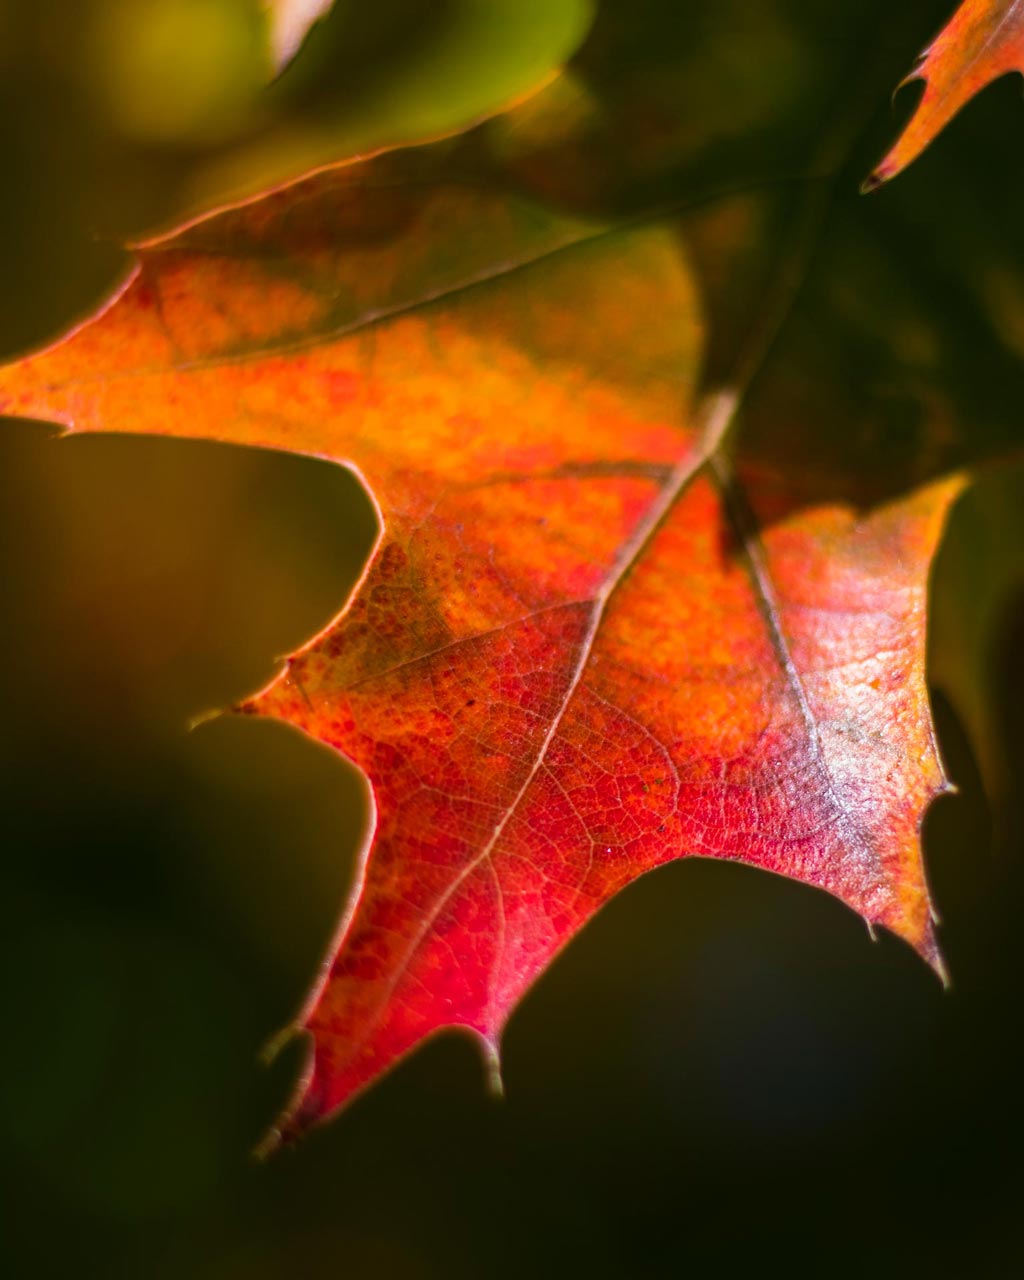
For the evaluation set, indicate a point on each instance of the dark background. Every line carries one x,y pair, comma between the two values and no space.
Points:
723,1075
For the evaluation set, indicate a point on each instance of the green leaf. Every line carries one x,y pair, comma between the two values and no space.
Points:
384,75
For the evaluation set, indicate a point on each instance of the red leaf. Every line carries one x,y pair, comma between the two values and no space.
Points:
983,40
583,648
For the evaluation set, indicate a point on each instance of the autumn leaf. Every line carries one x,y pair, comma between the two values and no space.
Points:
983,40
662,438
574,655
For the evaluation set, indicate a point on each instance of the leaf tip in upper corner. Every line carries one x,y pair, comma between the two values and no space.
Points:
982,41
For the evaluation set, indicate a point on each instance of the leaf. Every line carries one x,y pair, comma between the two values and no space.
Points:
168,112
573,657
290,21
663,439
982,41
389,74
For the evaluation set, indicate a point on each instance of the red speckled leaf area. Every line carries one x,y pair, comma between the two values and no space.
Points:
587,643
982,41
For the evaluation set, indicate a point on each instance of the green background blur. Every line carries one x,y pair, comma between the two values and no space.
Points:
723,1075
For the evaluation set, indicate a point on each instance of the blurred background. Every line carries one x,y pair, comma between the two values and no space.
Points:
722,1074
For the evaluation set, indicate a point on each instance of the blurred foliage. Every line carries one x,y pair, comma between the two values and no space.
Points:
118,117
173,71
722,1074
977,585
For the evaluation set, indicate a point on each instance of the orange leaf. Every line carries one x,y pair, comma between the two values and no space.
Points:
983,40
583,646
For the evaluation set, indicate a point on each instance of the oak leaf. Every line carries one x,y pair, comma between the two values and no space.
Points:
662,438
574,655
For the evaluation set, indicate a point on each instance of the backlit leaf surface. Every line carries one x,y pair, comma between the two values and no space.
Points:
573,658
662,438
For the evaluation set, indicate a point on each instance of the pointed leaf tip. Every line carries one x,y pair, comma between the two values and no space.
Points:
983,41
